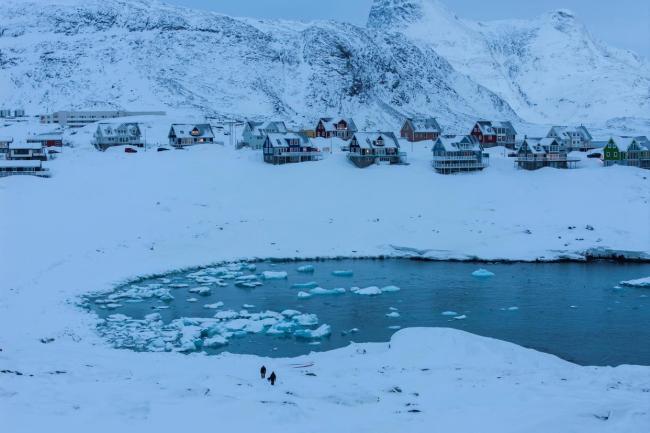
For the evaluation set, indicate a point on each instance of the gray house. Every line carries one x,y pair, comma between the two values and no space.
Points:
117,134
367,148
453,154
573,138
289,148
536,153
255,132
4,145
187,134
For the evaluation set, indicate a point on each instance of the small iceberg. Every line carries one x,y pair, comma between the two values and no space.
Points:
393,314
306,269
274,275
309,285
192,300
449,313
213,306
248,284
320,291
482,273
513,308
201,290
342,273
641,282
216,341
311,334
304,295
395,327
388,289
463,317
248,306
369,291
306,319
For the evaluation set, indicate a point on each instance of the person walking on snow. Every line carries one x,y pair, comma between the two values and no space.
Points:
263,372
272,378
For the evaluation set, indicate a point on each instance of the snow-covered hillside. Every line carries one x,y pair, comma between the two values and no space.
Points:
549,69
143,54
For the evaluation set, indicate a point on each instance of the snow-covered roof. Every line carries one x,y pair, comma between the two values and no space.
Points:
278,139
6,139
110,129
566,131
24,145
487,127
624,143
370,140
424,124
261,128
192,130
46,136
454,143
28,163
539,145
329,123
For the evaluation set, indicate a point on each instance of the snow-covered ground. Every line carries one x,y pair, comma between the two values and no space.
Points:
103,218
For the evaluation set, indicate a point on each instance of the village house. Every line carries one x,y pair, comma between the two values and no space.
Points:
77,119
254,133
23,167
117,134
491,134
289,148
367,148
577,138
47,139
420,129
184,134
4,145
328,127
536,153
629,151
19,150
453,154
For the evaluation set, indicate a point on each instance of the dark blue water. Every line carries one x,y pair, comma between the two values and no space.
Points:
572,310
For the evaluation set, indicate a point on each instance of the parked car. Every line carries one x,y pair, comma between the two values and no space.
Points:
130,150
163,149
595,155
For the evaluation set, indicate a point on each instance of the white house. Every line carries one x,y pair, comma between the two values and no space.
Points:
25,151
255,132
4,145
117,134
573,138
453,154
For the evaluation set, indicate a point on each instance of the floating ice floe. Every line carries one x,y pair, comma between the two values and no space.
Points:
449,313
640,282
369,291
304,295
201,290
462,317
113,306
394,327
482,273
320,332
213,306
192,300
274,275
305,319
248,284
342,273
319,291
350,331
393,314
306,269
248,306
216,341
387,289
512,308
309,285
179,285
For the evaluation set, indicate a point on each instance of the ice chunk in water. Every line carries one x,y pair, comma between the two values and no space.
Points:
306,319
304,295
343,273
306,269
369,291
192,300
166,297
309,285
482,273
216,341
449,313
113,306
394,327
462,317
153,317
290,313
321,291
309,334
213,306
513,308
390,289
248,306
393,314
201,290
274,275
225,315
641,282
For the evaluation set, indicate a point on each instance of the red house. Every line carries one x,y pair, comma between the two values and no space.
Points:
341,128
48,139
420,129
491,134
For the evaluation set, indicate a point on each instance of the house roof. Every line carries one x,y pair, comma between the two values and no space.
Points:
455,143
424,124
29,163
46,136
24,145
278,139
565,131
184,130
624,143
6,139
540,145
329,123
110,129
487,126
368,140
260,128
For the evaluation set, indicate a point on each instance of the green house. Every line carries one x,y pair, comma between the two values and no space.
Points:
611,153
630,151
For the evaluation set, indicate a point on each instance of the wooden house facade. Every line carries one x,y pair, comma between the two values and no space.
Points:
289,148
535,153
254,133
367,148
491,133
420,129
629,151
22,151
328,127
454,154
117,134
189,134
573,138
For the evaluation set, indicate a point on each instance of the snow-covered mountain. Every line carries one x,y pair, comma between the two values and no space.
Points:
549,69
413,57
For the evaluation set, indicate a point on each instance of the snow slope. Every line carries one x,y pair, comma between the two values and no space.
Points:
550,69
144,54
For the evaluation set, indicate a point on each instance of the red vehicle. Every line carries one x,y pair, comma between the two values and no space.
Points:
130,150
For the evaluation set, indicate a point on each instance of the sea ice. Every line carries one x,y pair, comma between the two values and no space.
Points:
192,300
306,269
321,291
309,285
216,341
290,313
390,289
274,275
306,319
248,306
393,314
369,291
304,295
394,327
320,332
641,282
460,317
343,273
201,290
214,306
482,273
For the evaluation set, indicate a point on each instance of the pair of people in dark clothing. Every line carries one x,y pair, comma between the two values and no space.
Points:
271,378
